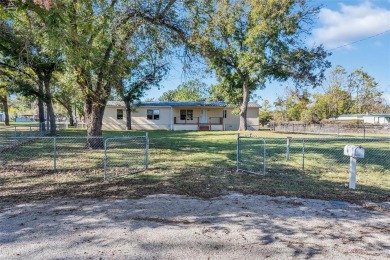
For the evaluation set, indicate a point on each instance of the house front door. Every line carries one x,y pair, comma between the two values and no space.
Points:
203,116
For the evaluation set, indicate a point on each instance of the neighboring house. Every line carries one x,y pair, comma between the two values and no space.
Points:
178,116
2,116
381,119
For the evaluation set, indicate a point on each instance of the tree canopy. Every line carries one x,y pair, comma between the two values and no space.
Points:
249,42
49,49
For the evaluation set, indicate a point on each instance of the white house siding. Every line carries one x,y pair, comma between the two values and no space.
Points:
139,119
168,113
185,127
232,122
349,117
372,119
110,121
382,119
216,127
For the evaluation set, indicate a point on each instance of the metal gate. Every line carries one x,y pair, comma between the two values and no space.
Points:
125,155
251,154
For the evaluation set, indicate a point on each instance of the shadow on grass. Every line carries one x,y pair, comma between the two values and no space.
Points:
202,182
212,218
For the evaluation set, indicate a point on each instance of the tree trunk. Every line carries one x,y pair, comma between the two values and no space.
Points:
69,110
244,107
94,112
4,100
70,113
49,105
128,114
41,110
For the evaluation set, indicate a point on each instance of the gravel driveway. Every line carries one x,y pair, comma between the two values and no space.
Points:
234,226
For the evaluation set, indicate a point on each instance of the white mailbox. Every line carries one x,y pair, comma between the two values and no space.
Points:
354,151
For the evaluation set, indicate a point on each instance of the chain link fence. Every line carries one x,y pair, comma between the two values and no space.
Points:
26,130
179,151
75,154
251,154
312,154
360,130
125,155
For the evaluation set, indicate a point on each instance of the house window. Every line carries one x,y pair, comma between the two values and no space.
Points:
224,114
186,114
153,114
119,114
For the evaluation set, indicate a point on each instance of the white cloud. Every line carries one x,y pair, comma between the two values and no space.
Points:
350,23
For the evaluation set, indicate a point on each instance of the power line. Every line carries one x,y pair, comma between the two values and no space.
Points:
369,37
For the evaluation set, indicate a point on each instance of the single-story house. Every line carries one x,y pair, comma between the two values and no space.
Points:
178,116
380,119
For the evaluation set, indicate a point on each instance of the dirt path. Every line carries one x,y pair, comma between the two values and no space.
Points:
177,227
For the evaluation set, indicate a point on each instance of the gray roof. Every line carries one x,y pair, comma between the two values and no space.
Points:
184,104
179,104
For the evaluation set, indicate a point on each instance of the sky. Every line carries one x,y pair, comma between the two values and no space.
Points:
356,32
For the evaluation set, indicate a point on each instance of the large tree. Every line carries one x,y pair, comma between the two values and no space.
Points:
364,91
97,40
4,100
336,98
252,41
24,49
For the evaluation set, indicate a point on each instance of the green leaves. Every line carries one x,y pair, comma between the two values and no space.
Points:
249,42
193,90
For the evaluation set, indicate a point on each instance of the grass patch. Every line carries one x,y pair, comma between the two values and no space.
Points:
200,164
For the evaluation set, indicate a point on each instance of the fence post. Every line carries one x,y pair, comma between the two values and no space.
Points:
264,158
303,154
14,135
238,152
55,153
364,131
146,150
105,158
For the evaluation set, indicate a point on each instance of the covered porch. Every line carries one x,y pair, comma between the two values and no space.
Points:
194,118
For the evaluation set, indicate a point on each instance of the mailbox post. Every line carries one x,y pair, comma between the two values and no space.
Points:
353,152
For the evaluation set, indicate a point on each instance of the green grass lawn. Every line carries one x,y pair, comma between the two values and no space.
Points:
201,164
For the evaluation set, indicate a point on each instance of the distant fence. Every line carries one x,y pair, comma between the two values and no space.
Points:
336,129
114,156
28,130
22,130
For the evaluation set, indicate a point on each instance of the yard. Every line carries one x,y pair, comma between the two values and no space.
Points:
199,164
